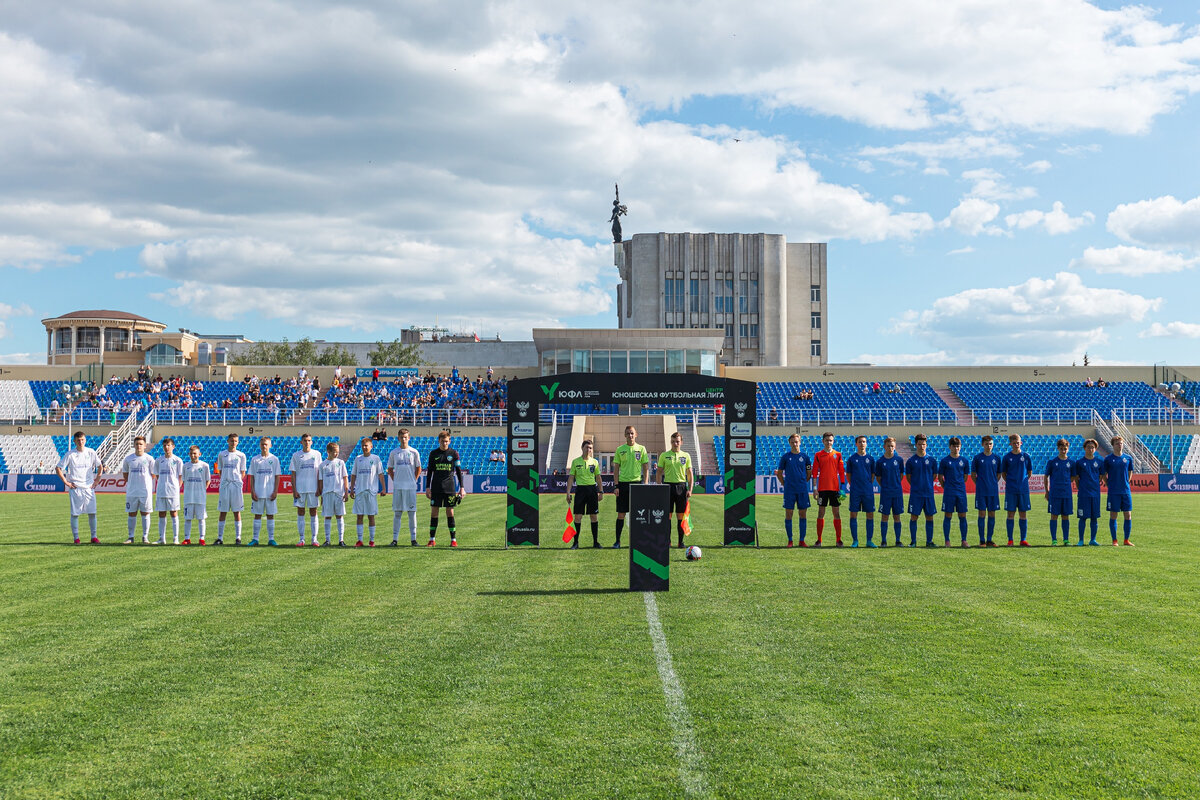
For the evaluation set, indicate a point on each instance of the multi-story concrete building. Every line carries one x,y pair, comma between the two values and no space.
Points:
767,295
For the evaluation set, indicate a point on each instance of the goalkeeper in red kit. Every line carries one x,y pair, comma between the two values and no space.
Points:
828,475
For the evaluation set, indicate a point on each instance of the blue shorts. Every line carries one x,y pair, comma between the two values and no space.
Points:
1059,506
1120,502
1016,501
922,505
891,504
954,503
1089,507
862,502
794,499
987,502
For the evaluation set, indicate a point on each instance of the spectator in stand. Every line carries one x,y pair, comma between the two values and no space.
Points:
774,416
1089,383
375,375
875,388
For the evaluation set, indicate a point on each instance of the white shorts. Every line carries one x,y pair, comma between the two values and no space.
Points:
332,504
83,501
168,503
139,505
305,500
231,498
404,500
263,505
366,503
195,511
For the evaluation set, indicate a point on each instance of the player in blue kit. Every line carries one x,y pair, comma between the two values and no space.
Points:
860,470
985,469
1115,474
793,472
920,470
889,470
1016,468
1060,475
952,472
1087,479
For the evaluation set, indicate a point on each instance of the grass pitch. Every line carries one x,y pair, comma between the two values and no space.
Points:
171,671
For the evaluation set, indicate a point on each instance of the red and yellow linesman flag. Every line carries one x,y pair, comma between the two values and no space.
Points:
687,518
570,532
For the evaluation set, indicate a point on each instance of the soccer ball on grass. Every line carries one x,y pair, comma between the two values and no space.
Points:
693,553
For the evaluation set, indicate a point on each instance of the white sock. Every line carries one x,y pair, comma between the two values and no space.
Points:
412,525
200,526
328,525
396,526
300,526
220,529
92,524
237,528
187,529
270,529
257,527
162,529
358,528
372,531
341,525
175,526
145,526
132,524
74,527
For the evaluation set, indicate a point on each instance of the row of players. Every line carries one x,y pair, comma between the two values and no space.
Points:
826,472
164,481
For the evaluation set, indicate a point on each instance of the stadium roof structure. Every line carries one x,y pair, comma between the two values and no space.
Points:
104,314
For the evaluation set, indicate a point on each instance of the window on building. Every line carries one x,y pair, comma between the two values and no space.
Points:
618,361
815,348
673,295
816,320
748,330
724,298
163,355
815,293
748,296
87,340
547,362
599,361
581,361
693,362
729,331
656,361
62,340
116,340
675,360
637,361
698,296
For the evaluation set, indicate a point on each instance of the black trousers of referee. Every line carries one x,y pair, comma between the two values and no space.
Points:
587,501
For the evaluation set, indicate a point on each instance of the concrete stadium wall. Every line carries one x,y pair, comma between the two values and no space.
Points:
939,376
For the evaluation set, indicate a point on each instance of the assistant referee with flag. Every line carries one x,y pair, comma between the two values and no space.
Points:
584,478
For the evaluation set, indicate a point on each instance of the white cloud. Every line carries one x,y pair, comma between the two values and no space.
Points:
1161,222
1039,166
1134,261
1078,150
901,200
1172,330
971,217
990,185
1056,221
962,251
937,358
22,358
7,311
960,148
933,169
1040,320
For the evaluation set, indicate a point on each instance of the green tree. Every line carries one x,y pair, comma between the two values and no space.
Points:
337,356
395,354
264,353
303,352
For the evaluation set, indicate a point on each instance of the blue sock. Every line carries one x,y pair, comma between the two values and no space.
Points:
854,529
946,526
1054,530
912,530
962,528
991,527
870,528
883,526
928,530
1112,528
1024,529
803,527
1008,523
1095,526
1128,528
1066,528
787,526
982,537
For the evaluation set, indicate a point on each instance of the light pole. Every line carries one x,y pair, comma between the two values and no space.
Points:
1170,392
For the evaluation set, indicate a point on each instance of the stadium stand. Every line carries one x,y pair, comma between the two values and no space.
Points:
1160,445
1040,447
281,446
22,453
63,443
433,391
473,450
770,448
17,401
1136,402
847,402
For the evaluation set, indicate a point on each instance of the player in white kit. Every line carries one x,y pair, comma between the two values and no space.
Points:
333,484
365,483
306,463
265,470
78,470
138,469
404,468
168,482
196,477
231,466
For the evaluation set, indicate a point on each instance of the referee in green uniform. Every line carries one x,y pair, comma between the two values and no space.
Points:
631,462
584,477
675,470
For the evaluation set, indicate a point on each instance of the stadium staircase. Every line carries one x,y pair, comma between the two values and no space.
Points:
1143,459
690,445
962,414
559,457
1191,461
708,459
904,448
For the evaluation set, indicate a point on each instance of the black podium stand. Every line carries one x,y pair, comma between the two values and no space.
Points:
649,537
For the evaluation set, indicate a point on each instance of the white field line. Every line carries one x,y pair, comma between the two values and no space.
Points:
691,766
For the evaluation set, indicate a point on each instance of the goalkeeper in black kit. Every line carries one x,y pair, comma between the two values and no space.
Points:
442,469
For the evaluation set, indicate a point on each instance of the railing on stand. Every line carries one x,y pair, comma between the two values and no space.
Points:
117,444
145,428
696,440
550,439
1143,459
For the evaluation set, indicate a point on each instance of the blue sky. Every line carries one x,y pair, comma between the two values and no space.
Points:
1006,182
